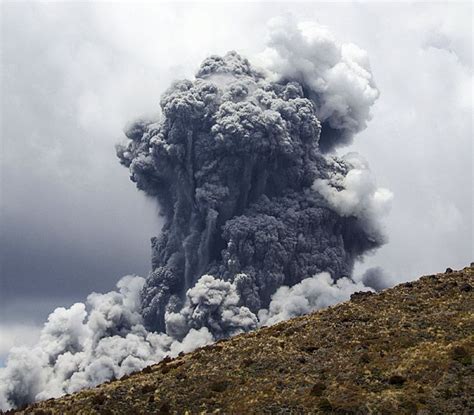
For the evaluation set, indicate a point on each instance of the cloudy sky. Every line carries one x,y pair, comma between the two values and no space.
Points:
74,74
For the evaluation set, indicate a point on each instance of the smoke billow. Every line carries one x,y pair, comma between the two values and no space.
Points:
376,278
310,294
262,221
336,77
88,344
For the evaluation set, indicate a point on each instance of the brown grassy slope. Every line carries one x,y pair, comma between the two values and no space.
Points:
407,350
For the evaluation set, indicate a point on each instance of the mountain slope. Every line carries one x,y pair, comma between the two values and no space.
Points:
406,350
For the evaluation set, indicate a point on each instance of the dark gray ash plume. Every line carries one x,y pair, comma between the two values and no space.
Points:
247,194
376,278
263,221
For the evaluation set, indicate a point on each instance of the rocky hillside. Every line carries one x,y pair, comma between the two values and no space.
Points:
407,350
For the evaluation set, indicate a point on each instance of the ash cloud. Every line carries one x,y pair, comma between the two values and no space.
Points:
248,195
260,222
376,278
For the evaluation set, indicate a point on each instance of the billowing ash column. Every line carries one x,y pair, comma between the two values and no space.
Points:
245,191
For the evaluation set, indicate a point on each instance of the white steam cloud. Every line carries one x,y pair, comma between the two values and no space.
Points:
308,295
354,192
337,76
212,303
88,344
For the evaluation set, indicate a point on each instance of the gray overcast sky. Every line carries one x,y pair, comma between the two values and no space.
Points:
73,74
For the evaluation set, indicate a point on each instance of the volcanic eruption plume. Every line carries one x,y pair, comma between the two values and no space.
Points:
262,220
251,198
